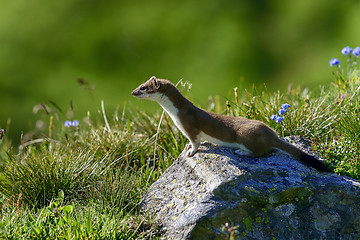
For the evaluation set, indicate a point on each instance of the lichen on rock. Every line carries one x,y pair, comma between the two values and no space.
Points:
274,196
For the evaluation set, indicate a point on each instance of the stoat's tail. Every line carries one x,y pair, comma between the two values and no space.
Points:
302,156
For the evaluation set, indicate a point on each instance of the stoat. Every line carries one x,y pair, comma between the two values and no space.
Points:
253,137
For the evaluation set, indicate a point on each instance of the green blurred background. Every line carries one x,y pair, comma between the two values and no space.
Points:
46,46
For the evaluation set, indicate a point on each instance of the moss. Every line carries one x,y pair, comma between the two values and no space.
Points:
289,195
259,220
248,222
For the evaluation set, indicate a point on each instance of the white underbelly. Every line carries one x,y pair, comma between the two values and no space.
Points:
169,107
224,144
180,127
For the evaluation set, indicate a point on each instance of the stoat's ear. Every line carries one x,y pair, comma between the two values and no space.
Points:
155,82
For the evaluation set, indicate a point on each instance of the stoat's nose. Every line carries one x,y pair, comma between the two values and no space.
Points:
135,93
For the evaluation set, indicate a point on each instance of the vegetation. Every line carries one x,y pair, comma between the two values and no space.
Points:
46,47
85,179
330,119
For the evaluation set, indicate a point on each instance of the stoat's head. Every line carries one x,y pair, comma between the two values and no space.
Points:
152,89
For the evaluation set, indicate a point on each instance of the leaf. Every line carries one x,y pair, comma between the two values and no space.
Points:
61,195
67,209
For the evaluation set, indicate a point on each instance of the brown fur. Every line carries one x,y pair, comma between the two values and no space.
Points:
255,135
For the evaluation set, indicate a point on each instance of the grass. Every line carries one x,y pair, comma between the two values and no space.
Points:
87,181
100,168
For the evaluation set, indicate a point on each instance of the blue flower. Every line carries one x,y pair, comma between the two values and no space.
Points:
279,119
67,123
346,50
285,106
273,117
282,111
356,51
276,118
71,124
334,62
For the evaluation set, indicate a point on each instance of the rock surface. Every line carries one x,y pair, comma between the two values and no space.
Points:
273,197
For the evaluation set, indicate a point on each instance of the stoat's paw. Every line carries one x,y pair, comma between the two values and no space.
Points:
188,147
190,151
241,152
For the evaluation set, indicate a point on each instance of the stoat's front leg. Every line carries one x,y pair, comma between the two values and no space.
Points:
193,146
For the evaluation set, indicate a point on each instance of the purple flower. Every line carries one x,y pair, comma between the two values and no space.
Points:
67,123
279,119
273,117
346,50
334,62
282,111
75,123
356,51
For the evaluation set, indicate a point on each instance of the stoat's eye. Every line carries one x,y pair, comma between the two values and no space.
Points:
143,88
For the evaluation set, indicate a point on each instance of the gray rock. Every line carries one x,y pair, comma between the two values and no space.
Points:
273,197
